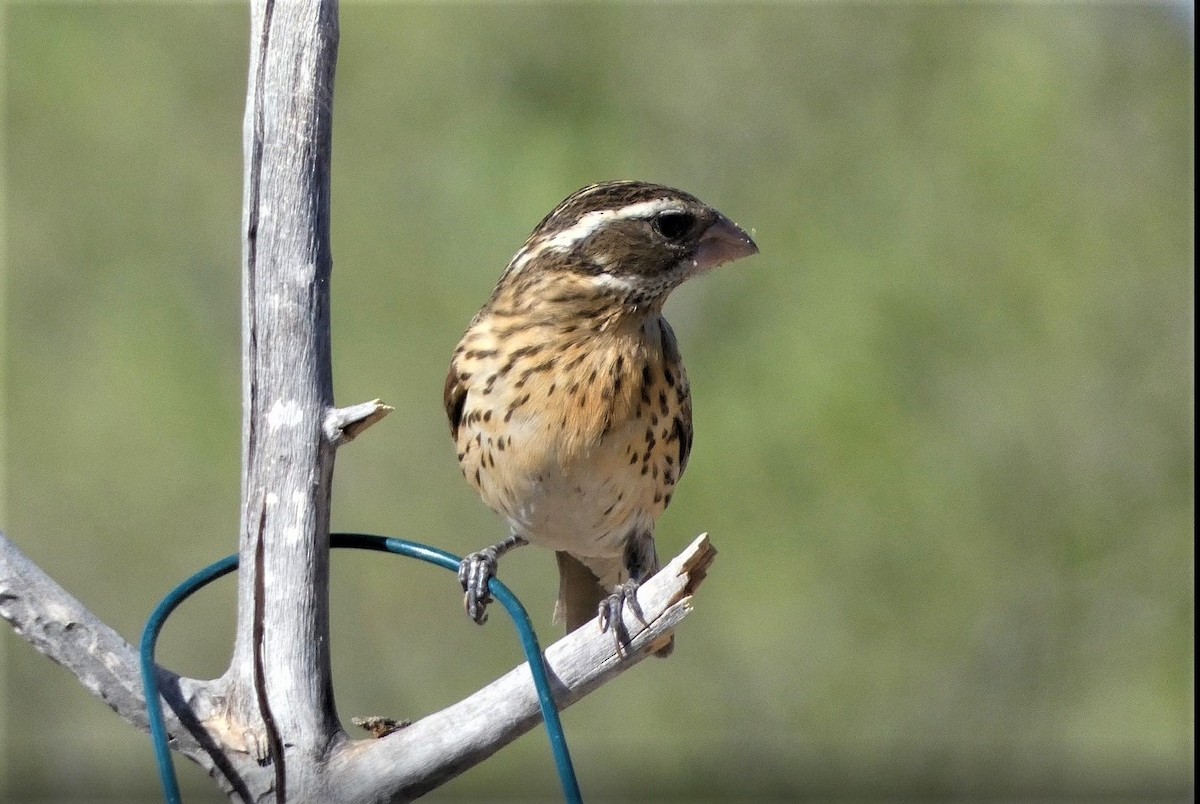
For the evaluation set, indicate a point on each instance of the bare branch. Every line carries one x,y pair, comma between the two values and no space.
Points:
406,763
267,729
56,624
280,675
421,756
343,425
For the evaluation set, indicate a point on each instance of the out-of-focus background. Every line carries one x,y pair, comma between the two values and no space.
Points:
945,431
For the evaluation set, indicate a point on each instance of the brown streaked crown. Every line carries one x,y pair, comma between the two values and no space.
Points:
609,195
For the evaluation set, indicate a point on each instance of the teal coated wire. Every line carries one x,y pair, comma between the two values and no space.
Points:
524,626
529,643
158,728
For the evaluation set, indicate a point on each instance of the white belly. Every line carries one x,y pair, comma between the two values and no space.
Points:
589,507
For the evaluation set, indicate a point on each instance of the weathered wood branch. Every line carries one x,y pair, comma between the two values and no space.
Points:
280,678
52,620
401,766
343,425
433,750
268,728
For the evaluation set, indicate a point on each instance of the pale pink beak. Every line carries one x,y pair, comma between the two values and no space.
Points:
724,242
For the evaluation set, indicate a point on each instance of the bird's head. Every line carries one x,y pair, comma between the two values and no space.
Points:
627,242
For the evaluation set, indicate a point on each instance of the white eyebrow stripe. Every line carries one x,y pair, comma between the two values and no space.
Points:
587,225
520,260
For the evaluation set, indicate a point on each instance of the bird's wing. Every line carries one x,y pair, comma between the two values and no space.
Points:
455,399
682,427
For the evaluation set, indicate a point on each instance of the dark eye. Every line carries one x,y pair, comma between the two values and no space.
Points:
674,225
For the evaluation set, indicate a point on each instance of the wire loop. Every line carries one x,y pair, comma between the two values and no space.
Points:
360,541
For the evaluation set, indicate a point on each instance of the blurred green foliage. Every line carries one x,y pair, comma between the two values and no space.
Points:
945,431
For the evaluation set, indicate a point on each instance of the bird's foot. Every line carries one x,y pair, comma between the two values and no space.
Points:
612,609
474,573
476,570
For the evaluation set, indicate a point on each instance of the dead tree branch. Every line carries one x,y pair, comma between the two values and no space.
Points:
268,728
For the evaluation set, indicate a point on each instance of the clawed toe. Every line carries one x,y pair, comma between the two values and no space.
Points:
477,570
612,609
474,573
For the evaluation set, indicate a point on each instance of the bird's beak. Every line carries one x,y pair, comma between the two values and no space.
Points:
724,242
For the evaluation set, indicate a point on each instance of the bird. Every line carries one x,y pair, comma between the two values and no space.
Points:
567,397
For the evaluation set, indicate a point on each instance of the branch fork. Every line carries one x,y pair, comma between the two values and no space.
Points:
267,729
402,763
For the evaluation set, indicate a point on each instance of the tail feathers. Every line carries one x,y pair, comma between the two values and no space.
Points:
580,593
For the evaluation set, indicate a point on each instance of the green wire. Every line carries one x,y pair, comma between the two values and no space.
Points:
158,729
529,643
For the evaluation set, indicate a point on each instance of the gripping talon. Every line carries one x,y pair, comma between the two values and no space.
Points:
476,570
612,609
474,573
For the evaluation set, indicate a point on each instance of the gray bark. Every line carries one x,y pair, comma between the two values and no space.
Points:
206,726
281,665
268,728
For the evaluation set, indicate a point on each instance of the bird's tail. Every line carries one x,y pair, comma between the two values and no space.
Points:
580,593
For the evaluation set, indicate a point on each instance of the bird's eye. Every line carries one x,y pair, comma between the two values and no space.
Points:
674,225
